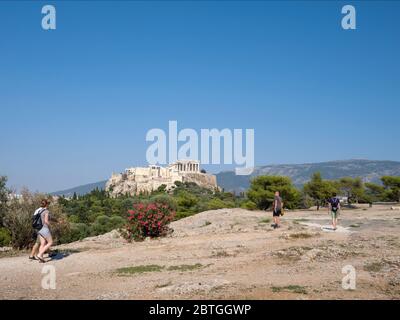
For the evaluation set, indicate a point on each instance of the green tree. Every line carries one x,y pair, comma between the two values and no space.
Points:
319,190
374,192
353,188
5,237
166,200
262,189
4,194
186,200
392,187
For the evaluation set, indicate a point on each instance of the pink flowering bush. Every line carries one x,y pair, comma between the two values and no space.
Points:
148,220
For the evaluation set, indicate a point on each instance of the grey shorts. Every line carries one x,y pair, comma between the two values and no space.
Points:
45,232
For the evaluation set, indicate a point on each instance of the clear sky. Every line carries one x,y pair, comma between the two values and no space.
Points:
76,102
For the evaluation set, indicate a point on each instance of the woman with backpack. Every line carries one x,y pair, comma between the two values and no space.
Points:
37,225
46,240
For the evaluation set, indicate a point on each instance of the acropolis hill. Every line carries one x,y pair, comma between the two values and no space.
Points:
146,179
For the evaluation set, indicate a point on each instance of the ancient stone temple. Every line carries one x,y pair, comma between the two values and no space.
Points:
146,179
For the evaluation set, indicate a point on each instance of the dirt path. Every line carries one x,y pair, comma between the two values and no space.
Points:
227,253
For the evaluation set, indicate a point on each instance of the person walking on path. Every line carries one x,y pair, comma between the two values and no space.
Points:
277,210
334,210
46,240
37,224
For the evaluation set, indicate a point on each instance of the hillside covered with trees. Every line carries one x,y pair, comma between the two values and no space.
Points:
97,212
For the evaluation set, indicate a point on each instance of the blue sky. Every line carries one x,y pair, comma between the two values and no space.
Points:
76,102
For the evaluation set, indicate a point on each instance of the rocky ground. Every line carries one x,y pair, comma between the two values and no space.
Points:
226,254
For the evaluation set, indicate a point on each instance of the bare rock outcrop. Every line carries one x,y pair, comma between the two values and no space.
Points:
146,179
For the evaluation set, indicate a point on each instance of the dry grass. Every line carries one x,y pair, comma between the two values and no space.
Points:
301,235
185,267
139,269
374,266
290,288
157,268
265,220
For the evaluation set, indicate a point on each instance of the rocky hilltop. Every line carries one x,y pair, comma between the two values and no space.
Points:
225,254
146,179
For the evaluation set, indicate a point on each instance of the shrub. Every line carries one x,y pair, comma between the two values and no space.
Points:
77,231
73,218
116,222
166,200
59,223
216,204
5,237
100,225
148,220
102,220
186,200
180,214
18,219
249,205
199,207
104,224
19,224
4,193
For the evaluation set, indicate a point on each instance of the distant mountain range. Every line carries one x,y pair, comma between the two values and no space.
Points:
368,170
80,190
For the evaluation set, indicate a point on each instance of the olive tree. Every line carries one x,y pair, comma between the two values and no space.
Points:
263,188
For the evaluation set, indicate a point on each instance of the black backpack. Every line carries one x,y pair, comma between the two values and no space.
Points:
37,223
335,203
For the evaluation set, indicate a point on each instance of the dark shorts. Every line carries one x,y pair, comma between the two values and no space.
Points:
277,213
335,213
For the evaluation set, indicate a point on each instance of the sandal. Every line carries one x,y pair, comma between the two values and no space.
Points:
32,258
41,260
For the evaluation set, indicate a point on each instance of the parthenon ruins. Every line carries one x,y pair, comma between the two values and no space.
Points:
146,179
